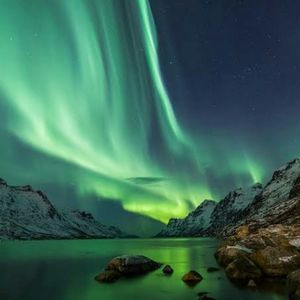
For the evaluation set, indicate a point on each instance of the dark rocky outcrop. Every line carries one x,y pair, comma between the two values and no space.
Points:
277,261
126,266
242,269
265,253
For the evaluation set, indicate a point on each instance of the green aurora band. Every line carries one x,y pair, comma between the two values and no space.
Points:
83,85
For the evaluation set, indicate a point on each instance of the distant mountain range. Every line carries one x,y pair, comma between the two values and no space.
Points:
28,214
276,203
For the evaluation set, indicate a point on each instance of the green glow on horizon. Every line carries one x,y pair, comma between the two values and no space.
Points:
83,84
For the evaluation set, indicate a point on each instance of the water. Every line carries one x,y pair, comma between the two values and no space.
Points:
65,270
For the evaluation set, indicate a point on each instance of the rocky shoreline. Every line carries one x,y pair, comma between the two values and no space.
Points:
252,258
254,255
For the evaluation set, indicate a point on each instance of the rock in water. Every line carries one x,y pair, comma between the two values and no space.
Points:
192,278
127,265
294,285
168,270
108,276
251,284
277,261
242,268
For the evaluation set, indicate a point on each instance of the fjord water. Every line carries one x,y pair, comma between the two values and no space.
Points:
66,269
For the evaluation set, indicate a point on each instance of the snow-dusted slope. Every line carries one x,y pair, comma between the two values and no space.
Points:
230,209
280,200
28,214
277,203
196,222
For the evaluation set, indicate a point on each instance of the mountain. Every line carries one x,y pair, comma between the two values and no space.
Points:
279,201
197,221
276,203
28,214
229,209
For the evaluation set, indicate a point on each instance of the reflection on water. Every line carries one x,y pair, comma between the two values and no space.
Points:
65,270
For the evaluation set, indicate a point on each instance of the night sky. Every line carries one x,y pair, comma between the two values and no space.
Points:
138,111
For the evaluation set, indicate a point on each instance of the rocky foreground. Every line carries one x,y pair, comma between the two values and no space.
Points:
29,214
127,266
251,256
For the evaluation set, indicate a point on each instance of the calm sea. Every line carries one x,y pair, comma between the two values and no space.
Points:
65,270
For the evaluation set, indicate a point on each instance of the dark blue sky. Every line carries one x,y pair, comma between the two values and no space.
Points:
233,69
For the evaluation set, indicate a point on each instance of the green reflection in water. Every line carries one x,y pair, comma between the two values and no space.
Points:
65,270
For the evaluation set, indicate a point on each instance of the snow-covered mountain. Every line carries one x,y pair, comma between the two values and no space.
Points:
197,221
28,214
277,203
229,210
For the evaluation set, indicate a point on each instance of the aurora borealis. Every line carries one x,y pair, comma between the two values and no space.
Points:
90,99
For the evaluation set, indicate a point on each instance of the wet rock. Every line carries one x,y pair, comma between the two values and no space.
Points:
251,284
242,232
227,254
293,282
277,261
127,265
265,238
192,278
108,276
168,270
212,269
242,268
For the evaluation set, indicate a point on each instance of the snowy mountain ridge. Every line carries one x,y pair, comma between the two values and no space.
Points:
278,202
29,214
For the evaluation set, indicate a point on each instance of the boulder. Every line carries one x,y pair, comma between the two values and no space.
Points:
226,255
168,270
127,265
192,278
242,232
277,261
293,282
264,238
242,268
108,276
251,284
